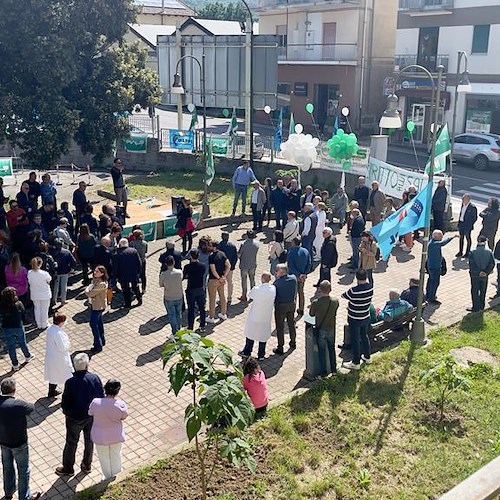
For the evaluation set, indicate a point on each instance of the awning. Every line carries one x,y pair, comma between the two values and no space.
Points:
425,94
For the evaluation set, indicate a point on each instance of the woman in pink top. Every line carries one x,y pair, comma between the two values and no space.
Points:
254,382
17,277
107,429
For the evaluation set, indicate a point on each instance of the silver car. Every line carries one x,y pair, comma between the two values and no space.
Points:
482,150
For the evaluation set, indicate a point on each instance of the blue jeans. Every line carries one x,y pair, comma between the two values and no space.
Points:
13,336
240,190
196,297
97,327
257,217
432,284
326,345
360,343
355,242
21,456
174,310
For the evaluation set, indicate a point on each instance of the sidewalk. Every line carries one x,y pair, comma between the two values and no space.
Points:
133,355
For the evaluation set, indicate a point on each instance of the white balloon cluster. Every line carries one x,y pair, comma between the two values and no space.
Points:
300,149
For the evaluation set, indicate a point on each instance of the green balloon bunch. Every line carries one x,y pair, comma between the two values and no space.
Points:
342,146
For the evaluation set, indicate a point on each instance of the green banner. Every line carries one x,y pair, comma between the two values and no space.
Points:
6,167
169,223
136,143
148,228
219,145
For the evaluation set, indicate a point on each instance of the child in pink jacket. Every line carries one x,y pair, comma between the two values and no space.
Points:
254,382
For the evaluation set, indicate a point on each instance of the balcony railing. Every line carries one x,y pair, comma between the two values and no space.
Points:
318,52
429,62
269,4
425,4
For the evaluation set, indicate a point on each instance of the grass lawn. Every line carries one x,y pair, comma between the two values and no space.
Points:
371,434
190,184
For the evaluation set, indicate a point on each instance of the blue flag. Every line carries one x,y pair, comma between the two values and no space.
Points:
336,123
278,132
412,216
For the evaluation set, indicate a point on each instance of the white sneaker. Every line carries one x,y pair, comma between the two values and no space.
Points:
366,361
29,358
352,366
15,368
211,320
223,317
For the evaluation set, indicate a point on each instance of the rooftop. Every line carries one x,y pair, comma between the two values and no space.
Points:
149,32
164,7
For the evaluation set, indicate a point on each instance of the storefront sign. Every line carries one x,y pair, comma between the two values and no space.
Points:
5,167
478,121
300,88
181,139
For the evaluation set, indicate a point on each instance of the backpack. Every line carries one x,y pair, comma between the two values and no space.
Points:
283,256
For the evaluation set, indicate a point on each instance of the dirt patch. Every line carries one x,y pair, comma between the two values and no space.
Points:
468,356
177,479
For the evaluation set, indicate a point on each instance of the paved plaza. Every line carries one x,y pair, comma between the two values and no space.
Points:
133,355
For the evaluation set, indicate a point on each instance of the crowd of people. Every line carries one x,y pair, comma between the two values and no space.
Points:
41,245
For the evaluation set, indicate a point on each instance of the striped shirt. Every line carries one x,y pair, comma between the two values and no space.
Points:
360,298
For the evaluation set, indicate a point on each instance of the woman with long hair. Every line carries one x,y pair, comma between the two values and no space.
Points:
12,311
58,365
85,245
107,432
39,281
490,216
276,248
368,253
96,292
185,225
16,276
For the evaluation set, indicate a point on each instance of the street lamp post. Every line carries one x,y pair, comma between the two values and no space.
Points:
177,88
462,85
392,119
249,75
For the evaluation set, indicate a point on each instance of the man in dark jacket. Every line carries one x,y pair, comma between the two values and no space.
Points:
411,293
102,255
232,256
79,391
466,220
119,184
174,253
439,204
293,195
14,441
308,229
284,307
357,227
128,269
65,262
329,256
361,195
79,202
434,263
279,201
481,265
496,254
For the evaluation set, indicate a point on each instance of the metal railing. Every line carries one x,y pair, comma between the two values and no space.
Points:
425,4
263,4
429,62
334,52
145,123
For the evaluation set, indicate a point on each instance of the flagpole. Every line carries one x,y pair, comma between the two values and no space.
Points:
205,210
417,334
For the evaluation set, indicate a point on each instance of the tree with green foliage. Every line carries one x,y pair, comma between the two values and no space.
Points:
66,73
219,402
226,12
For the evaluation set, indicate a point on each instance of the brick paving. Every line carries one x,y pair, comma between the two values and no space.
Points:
133,351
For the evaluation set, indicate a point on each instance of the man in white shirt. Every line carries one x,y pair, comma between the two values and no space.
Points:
291,229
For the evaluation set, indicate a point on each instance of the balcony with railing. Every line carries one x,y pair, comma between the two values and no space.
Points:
425,5
429,62
270,4
325,52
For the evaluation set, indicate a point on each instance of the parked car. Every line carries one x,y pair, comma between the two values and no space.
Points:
482,150
258,144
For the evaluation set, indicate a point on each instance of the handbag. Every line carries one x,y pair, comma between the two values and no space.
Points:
283,256
442,271
317,328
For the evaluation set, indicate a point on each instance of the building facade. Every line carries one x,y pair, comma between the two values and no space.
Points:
332,54
167,12
432,32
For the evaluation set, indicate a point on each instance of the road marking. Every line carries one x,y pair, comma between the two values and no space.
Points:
475,195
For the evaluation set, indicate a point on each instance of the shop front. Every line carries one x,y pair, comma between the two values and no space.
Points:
482,113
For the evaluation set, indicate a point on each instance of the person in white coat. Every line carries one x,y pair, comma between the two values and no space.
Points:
40,292
58,365
258,324
318,240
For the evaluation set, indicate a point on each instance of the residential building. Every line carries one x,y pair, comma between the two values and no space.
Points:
432,32
332,54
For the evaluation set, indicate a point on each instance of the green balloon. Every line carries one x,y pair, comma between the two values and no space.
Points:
346,165
225,112
350,140
355,149
336,139
410,126
340,132
343,144
310,108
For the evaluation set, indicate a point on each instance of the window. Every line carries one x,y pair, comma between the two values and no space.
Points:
284,88
477,140
461,139
480,39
